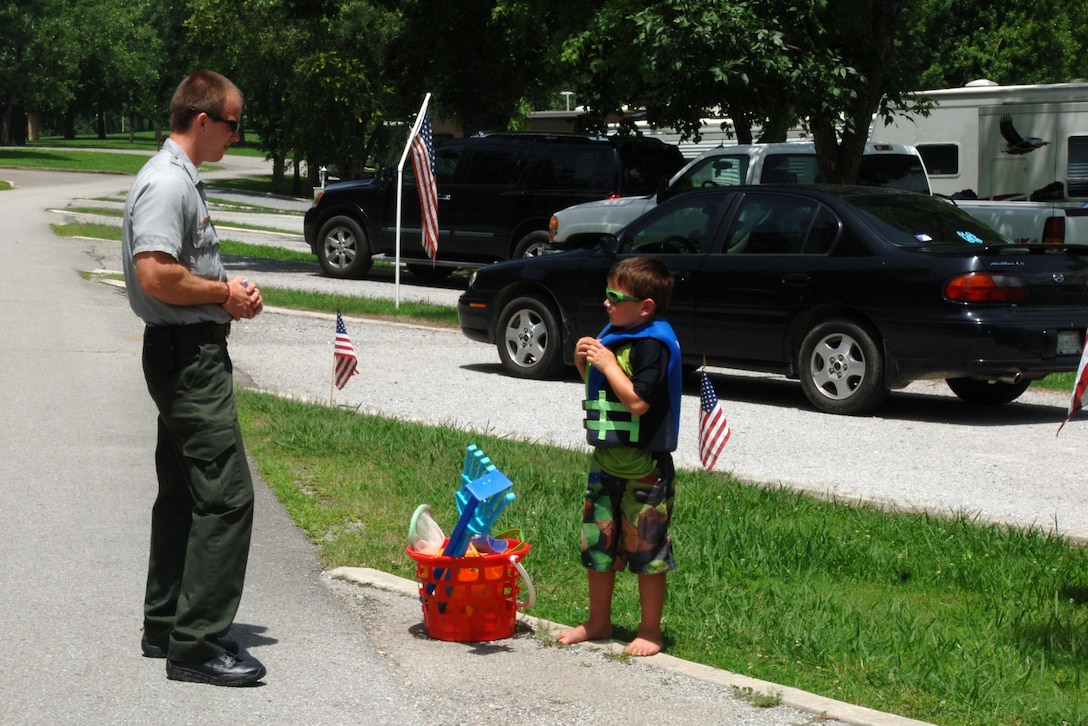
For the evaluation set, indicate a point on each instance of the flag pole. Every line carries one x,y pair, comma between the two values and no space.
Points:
332,375
400,195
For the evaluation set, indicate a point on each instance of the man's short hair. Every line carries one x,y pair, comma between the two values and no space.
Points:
645,277
201,92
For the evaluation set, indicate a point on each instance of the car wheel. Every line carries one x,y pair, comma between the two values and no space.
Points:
529,340
842,368
533,244
429,273
986,393
342,249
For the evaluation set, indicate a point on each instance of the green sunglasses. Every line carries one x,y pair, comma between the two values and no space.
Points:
617,297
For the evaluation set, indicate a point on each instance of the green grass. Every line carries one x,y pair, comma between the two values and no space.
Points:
409,311
946,621
43,157
91,161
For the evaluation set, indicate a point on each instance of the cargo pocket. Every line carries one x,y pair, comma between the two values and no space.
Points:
209,444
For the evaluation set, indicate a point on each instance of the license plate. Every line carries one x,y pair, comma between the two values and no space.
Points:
1069,342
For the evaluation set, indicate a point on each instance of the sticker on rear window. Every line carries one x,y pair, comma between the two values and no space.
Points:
970,238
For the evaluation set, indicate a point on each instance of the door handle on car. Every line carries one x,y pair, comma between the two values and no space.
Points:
796,279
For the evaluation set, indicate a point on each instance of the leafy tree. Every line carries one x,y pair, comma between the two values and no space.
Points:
313,75
115,69
37,45
683,60
827,65
483,60
948,43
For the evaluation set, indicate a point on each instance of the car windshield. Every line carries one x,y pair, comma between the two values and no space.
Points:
916,220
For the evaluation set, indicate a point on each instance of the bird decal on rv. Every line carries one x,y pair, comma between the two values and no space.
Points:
1017,144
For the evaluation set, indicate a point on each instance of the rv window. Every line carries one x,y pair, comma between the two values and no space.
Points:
1077,181
940,159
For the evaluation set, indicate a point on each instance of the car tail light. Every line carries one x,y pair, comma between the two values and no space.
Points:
987,287
553,228
1054,230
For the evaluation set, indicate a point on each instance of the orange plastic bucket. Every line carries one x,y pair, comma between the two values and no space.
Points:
470,599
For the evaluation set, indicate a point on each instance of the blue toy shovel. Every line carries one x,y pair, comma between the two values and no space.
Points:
484,500
480,501
488,510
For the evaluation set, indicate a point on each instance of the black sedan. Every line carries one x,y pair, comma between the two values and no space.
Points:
853,290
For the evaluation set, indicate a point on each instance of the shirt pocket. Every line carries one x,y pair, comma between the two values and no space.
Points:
204,236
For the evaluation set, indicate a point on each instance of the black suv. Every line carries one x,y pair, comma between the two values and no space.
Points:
496,193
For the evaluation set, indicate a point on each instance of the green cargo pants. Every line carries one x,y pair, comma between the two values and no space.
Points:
202,519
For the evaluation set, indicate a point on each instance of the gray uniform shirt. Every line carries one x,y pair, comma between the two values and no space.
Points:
166,211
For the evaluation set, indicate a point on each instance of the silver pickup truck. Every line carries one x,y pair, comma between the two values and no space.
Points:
883,165
1031,222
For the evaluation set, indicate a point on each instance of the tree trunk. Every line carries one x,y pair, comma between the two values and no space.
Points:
278,164
840,159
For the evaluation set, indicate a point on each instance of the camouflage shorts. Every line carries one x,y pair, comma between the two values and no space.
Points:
625,522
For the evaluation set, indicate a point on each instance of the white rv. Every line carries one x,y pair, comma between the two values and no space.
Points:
996,143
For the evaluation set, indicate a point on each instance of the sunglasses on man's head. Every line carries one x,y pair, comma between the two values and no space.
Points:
232,125
617,297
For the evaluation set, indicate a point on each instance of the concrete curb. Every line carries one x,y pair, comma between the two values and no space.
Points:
826,708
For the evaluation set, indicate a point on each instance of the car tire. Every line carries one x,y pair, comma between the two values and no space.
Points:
430,273
533,244
529,339
342,249
986,393
841,367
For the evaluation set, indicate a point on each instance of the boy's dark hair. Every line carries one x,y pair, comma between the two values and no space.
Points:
645,277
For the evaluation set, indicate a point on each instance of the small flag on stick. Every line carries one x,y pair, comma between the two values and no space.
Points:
423,166
344,359
1080,388
713,427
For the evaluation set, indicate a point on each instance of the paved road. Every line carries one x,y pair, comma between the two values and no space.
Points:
74,501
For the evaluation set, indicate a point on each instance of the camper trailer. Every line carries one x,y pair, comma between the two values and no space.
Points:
1001,144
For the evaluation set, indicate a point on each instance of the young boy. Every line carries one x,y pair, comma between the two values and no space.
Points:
633,382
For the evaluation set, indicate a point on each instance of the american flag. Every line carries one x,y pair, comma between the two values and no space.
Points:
713,428
1080,388
423,165
344,354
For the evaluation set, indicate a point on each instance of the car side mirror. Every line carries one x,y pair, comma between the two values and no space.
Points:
609,244
663,190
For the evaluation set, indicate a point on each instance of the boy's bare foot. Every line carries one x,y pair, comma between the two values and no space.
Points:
646,643
582,633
